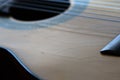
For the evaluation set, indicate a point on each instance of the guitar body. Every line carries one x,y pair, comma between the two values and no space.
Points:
66,46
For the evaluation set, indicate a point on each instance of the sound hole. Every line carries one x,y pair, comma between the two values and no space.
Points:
32,10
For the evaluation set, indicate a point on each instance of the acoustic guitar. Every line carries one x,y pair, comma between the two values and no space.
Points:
58,39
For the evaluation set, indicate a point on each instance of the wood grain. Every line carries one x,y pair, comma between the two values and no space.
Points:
70,51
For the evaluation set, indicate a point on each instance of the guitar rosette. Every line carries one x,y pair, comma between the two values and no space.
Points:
75,9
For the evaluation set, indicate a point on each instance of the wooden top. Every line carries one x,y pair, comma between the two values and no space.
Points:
70,50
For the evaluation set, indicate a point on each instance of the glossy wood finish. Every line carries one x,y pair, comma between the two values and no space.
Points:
70,51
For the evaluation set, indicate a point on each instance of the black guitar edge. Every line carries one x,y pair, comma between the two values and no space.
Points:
11,67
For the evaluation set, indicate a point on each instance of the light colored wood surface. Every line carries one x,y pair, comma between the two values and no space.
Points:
70,51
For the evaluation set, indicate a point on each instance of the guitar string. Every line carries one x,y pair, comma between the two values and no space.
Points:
77,2
49,7
64,1
49,10
90,8
38,6
45,2
95,9
38,1
74,14
3,3
89,17
80,1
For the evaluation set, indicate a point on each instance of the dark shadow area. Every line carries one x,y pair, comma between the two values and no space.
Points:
110,53
2,14
12,69
31,10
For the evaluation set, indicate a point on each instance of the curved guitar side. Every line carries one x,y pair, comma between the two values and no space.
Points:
12,68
